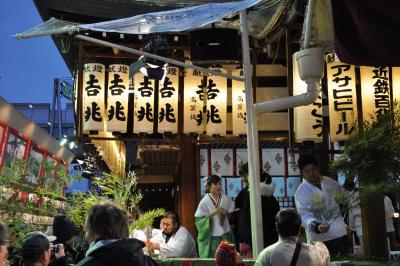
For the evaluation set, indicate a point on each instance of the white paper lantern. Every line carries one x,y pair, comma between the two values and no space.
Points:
168,101
117,98
342,98
193,102
307,119
93,96
216,91
239,119
375,91
143,104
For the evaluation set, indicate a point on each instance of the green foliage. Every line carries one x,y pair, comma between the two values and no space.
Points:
12,210
79,204
146,218
324,212
373,154
121,190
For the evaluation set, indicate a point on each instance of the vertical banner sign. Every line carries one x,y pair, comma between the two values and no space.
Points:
396,84
117,98
168,101
144,104
307,119
239,121
342,98
216,90
193,102
375,91
93,96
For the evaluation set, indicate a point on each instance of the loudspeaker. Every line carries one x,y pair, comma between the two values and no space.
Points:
215,45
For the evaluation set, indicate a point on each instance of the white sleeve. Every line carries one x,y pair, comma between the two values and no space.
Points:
388,207
302,200
202,209
176,246
139,234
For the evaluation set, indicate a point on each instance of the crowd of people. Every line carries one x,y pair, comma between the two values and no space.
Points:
223,226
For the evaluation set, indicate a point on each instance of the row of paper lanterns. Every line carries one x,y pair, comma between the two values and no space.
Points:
342,99
205,101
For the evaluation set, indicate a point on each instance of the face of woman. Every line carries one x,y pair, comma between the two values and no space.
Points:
215,188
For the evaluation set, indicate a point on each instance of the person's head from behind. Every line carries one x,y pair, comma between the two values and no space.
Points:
308,165
36,249
3,244
288,222
214,184
170,222
244,173
106,220
63,228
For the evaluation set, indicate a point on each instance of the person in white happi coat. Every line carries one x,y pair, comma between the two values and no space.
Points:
331,232
211,218
175,241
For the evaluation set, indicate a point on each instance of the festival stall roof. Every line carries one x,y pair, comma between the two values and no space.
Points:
264,18
16,120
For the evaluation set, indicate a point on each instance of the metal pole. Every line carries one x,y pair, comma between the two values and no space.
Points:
53,108
308,24
157,57
59,107
252,146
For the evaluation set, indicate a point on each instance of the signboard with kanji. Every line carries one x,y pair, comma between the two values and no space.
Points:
93,96
117,98
307,119
342,95
168,101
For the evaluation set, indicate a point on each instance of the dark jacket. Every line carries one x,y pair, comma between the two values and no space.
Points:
117,253
270,208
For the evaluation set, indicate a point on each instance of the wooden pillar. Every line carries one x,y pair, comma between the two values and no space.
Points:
374,227
189,181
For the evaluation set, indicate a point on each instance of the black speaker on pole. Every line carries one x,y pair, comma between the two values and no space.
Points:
214,45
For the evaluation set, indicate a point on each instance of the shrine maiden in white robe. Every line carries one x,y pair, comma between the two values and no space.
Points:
207,206
180,245
303,196
211,230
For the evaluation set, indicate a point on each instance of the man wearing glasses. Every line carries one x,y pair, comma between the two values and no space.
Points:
316,204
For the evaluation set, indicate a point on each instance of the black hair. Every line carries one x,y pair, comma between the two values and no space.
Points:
244,169
107,221
305,159
265,177
212,179
174,216
288,222
63,228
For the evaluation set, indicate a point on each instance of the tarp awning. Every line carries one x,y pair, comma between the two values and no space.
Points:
165,21
49,27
